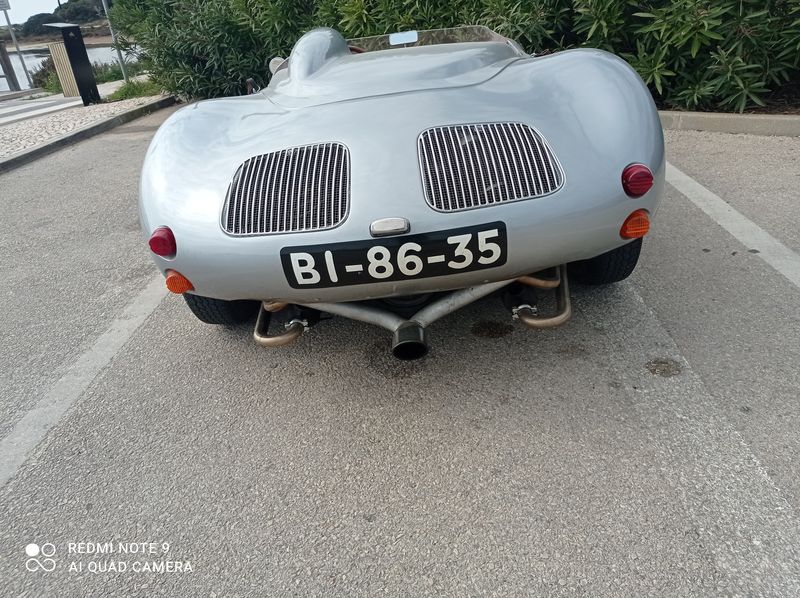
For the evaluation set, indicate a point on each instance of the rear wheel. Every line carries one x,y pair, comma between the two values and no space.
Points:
612,266
220,312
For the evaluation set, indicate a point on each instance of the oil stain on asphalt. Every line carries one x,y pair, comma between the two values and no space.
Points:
664,367
491,329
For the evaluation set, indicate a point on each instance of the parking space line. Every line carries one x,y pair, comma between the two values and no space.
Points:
785,261
29,431
716,464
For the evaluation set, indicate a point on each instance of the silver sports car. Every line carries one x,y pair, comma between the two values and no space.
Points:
395,179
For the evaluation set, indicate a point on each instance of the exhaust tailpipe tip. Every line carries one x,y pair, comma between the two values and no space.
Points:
408,342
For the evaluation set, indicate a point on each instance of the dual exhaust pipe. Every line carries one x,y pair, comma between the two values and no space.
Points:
409,340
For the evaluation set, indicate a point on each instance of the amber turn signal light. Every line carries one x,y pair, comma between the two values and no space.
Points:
177,283
636,225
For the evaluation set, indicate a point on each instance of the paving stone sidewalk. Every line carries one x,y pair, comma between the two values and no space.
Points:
24,134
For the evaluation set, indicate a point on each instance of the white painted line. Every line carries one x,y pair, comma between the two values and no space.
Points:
29,431
42,111
785,261
715,464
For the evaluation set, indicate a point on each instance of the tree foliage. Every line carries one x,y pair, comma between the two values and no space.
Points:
80,11
696,54
35,25
72,11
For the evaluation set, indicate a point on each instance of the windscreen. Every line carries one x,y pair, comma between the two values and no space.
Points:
431,37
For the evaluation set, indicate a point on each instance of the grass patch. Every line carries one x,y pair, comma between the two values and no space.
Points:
52,84
103,73
135,89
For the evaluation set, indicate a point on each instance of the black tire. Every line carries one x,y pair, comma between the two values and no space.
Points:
220,312
612,266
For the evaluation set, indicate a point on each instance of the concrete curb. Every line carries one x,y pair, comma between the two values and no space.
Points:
787,125
34,153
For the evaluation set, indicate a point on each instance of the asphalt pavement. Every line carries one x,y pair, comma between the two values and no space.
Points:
650,447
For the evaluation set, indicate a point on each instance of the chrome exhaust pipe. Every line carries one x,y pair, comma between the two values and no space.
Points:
274,306
529,316
294,328
542,283
408,342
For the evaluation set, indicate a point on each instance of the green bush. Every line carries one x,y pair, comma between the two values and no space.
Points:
135,89
45,76
52,84
696,54
207,48
40,73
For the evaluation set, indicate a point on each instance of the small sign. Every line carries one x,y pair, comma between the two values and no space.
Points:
4,5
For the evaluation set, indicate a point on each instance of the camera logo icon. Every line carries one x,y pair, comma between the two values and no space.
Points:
34,551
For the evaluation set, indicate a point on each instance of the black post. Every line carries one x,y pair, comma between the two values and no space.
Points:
79,60
8,68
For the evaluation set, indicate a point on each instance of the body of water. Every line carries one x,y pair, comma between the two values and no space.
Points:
33,58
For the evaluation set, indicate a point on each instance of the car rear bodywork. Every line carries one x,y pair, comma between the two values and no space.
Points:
444,137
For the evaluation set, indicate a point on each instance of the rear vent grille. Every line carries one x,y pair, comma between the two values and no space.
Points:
294,190
472,166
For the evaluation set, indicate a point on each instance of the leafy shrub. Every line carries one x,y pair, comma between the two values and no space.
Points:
45,76
52,84
200,48
726,54
40,74
696,54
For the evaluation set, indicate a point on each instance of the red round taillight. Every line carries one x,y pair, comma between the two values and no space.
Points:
637,180
162,242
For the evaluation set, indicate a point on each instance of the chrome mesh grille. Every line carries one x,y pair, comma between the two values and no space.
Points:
471,166
298,189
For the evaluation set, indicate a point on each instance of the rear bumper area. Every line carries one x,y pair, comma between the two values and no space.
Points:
541,233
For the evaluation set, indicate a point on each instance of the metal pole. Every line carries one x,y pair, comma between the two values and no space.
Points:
19,53
114,39
8,68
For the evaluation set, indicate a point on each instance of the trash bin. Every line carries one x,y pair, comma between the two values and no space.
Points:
72,64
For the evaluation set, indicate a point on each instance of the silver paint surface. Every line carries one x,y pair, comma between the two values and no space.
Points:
591,107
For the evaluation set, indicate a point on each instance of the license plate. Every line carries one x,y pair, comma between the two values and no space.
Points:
438,253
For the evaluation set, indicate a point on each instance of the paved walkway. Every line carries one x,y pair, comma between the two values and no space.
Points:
28,123
14,110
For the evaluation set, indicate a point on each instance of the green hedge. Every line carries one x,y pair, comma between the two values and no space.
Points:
695,54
